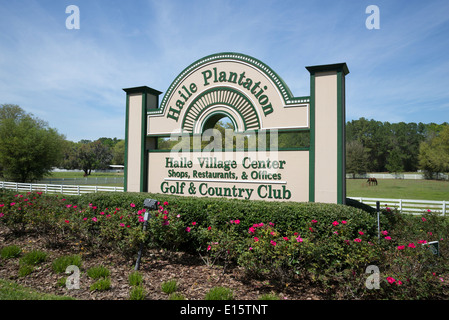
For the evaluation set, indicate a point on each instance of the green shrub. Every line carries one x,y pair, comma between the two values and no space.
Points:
169,286
219,293
135,278
137,293
60,264
101,285
25,270
269,296
9,252
33,258
176,296
98,272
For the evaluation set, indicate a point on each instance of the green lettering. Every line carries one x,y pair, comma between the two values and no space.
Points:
206,76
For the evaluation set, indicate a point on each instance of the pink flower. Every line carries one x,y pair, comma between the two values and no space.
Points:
66,221
422,241
141,219
299,239
411,245
256,239
335,223
285,238
344,222
314,221
398,282
13,203
209,228
401,247
94,219
385,232
193,223
84,219
122,224
357,240
102,213
423,219
361,233
390,280
188,229
165,203
273,243
68,206
237,221
1,214
251,230
208,247
387,238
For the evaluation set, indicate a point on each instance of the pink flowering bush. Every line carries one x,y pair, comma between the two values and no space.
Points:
166,228
268,251
330,245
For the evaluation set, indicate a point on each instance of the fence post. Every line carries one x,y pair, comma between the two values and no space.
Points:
444,207
400,205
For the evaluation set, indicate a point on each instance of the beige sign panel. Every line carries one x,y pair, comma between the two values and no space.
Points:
255,100
241,175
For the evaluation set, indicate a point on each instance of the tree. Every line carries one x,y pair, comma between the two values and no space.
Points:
395,161
87,156
356,158
29,148
119,152
434,153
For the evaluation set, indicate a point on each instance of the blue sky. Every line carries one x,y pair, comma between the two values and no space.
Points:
73,79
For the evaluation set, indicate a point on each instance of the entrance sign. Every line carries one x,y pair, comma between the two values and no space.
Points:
272,146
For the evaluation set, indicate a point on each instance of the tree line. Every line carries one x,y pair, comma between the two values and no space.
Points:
375,146
30,149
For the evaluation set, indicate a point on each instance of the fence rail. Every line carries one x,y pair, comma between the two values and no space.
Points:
56,188
408,205
403,205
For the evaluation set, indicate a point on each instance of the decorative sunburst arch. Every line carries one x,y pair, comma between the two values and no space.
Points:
283,89
239,108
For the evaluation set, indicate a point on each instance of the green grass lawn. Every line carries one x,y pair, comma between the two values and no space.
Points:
399,189
10,290
72,175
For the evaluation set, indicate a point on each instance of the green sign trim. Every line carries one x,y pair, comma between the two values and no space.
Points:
280,84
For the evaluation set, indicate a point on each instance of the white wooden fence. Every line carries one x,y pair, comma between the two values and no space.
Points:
403,205
55,188
407,205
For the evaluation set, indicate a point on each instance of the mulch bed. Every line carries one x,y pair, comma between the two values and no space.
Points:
194,278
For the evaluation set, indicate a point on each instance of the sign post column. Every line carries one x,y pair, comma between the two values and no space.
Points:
328,132
138,101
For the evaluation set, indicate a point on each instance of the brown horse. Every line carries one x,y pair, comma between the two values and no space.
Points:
372,181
